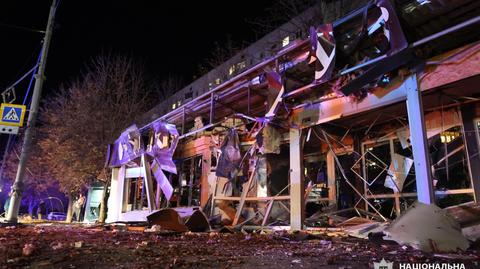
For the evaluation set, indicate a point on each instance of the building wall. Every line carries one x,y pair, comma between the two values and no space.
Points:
258,51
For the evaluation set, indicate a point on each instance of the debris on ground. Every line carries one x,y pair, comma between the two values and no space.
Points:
468,216
27,249
168,219
198,222
427,228
57,247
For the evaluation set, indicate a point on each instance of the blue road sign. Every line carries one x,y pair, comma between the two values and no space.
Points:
12,114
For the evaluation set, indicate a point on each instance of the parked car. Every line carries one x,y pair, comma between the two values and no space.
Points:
56,216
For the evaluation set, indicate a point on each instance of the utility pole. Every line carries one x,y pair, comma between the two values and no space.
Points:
18,186
4,159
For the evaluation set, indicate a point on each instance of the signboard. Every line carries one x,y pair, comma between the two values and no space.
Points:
12,115
9,95
5,129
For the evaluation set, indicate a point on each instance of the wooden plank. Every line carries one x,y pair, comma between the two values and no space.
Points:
285,207
275,198
204,186
267,212
244,195
331,178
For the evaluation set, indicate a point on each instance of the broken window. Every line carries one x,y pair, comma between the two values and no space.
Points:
135,195
188,186
188,95
376,160
389,172
449,166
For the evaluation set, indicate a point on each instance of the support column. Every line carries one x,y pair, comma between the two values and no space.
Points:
418,139
147,180
332,186
297,200
114,199
472,147
204,185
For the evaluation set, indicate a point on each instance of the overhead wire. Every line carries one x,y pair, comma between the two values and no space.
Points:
21,28
33,70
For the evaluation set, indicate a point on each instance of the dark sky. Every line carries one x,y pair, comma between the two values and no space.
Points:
170,36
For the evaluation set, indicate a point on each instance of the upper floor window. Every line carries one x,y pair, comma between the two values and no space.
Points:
237,67
299,34
231,70
285,41
241,65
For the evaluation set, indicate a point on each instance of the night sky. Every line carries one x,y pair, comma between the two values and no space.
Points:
169,38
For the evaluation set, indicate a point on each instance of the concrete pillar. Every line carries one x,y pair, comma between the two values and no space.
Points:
297,189
418,139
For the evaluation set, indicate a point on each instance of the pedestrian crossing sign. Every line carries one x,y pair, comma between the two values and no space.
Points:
12,114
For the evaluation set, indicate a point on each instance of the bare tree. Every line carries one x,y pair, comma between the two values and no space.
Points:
80,121
37,181
168,85
302,14
283,11
221,53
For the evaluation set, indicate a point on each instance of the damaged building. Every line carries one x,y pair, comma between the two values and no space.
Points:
362,118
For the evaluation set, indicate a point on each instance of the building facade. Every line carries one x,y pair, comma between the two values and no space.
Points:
371,112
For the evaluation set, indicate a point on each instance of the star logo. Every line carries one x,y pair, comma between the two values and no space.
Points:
383,264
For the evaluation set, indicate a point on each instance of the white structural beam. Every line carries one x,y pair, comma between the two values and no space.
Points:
418,139
297,200
114,199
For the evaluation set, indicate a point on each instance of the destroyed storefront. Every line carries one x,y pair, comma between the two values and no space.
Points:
362,119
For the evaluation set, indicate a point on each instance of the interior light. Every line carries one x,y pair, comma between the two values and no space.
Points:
285,41
423,2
